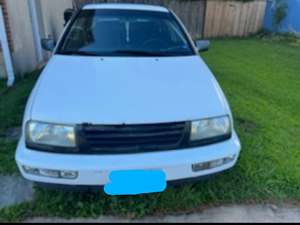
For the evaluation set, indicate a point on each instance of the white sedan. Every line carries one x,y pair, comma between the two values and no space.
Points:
126,95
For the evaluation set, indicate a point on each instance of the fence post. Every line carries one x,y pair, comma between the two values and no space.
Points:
204,19
6,51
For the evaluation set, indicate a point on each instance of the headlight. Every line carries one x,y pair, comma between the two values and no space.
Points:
210,128
47,134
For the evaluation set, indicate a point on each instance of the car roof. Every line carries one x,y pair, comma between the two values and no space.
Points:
142,7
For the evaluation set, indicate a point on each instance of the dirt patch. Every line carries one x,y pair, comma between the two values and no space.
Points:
247,126
14,133
11,134
234,213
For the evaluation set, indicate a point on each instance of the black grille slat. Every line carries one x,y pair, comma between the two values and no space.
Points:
132,138
133,135
135,141
133,128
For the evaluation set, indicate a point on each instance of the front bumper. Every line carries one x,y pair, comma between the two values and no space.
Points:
94,170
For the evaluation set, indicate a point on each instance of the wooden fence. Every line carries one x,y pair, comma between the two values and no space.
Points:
209,18
233,18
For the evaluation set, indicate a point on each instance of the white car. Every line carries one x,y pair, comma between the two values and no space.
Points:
125,90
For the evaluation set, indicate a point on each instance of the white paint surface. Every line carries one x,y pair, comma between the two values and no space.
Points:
132,90
143,7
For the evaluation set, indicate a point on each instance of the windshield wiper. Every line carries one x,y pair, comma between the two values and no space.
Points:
84,53
140,53
121,53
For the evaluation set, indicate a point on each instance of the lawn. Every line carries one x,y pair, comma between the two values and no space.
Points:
261,79
12,104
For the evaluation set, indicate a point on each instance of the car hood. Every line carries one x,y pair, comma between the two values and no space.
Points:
125,90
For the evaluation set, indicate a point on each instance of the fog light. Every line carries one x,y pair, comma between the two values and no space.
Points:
212,164
216,163
71,175
229,159
31,170
49,173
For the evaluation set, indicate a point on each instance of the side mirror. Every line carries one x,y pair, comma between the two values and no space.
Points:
68,15
202,45
48,44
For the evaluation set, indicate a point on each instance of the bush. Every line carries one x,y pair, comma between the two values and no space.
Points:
280,12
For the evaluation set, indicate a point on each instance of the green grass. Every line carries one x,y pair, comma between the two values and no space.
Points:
7,161
12,105
261,80
13,100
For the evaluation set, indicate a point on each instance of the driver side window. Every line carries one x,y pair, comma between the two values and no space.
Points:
80,34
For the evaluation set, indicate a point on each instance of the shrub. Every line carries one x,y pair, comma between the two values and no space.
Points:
280,12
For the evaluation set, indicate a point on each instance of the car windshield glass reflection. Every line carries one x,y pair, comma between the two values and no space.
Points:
125,33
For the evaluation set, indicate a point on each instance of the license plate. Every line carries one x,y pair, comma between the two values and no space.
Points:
136,182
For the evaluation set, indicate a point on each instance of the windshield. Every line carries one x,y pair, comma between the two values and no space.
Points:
125,33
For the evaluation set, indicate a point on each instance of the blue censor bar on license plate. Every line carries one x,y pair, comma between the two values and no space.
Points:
136,182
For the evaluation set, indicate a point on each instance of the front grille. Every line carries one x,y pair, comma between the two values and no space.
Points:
118,139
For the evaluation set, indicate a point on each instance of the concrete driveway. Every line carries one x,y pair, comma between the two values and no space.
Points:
235,213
